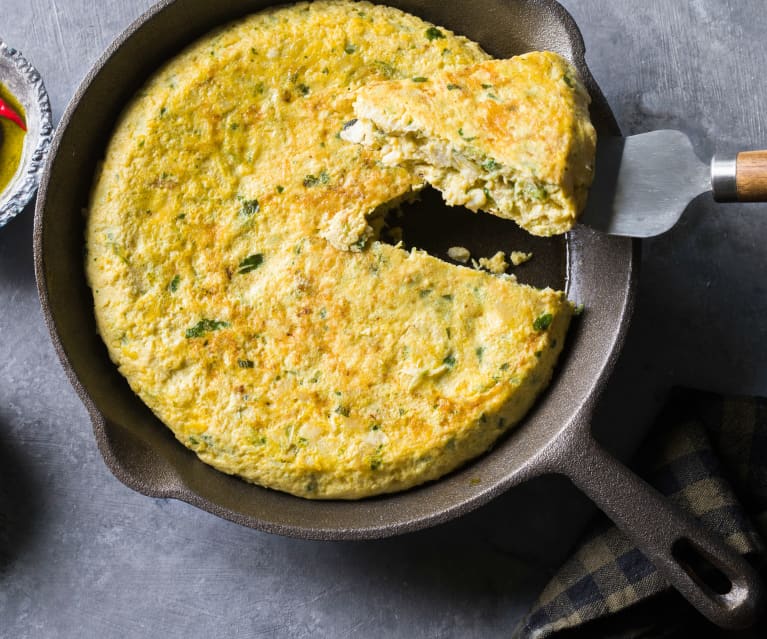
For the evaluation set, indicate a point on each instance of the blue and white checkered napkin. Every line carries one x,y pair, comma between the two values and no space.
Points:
708,454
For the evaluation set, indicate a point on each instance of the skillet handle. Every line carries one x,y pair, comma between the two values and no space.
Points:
673,540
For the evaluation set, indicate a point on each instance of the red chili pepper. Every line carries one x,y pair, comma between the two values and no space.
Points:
9,113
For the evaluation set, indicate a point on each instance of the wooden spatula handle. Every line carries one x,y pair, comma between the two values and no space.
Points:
751,176
740,179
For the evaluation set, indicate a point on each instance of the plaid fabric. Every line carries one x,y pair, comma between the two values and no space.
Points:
708,454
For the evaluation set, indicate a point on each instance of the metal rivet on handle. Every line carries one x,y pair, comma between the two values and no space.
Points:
724,183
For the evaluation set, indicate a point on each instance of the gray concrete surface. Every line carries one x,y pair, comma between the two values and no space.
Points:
83,556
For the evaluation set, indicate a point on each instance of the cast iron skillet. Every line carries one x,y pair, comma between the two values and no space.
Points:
597,270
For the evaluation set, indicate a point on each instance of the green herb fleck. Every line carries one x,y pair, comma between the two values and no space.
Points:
536,191
234,126
449,360
420,78
424,292
249,207
505,366
447,297
349,123
173,286
568,81
386,69
304,89
432,33
250,263
280,188
205,326
542,322
491,165
245,363
376,460
314,180
349,48
479,352
453,87
342,410
578,310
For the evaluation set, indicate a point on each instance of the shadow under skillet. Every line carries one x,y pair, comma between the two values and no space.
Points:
20,499
17,265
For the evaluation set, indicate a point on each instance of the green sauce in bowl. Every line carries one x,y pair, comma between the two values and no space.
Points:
11,141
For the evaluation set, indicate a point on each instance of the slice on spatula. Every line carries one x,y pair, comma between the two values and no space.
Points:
510,137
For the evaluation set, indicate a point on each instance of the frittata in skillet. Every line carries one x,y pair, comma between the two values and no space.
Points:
273,355
510,137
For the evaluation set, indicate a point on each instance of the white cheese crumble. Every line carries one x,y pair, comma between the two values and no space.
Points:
459,254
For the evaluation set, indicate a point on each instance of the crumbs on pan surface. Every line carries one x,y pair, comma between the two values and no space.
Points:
496,264
519,257
459,254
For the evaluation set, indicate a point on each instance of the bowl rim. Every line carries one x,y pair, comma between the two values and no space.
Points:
25,183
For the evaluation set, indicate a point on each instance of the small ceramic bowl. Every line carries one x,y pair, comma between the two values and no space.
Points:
25,83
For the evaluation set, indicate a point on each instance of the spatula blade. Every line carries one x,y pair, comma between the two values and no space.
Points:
643,183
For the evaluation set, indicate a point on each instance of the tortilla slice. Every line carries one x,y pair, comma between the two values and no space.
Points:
510,137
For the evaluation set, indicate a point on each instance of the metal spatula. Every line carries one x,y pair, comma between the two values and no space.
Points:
643,183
